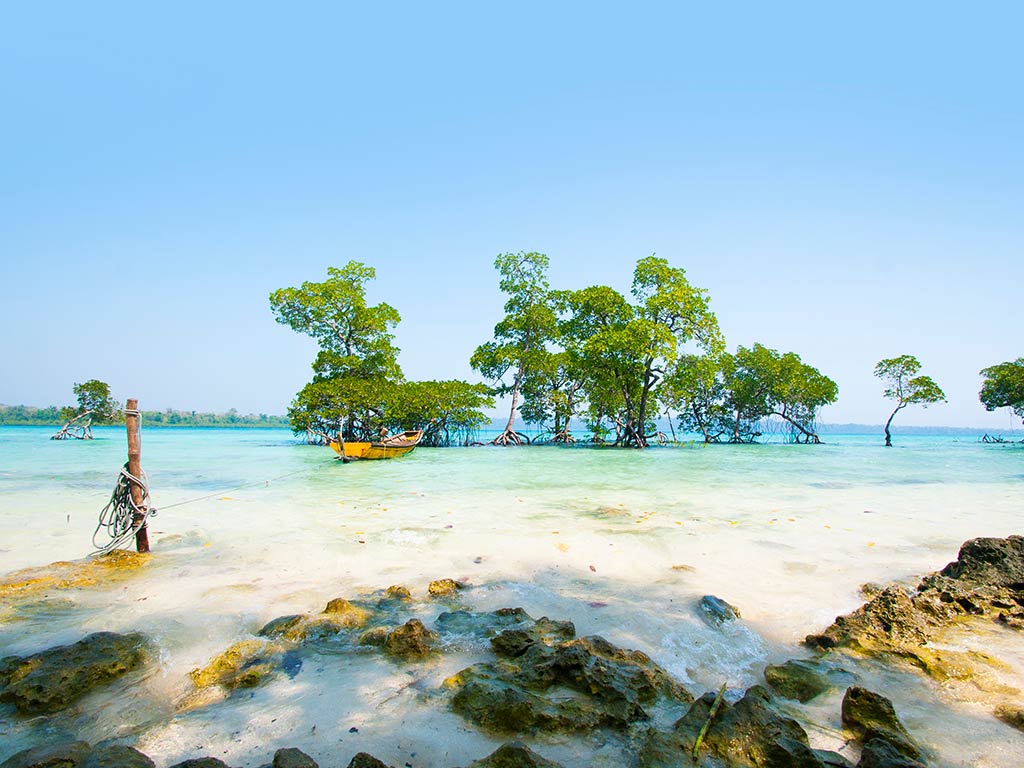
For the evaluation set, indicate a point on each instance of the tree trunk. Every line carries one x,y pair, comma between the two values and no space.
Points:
808,434
508,435
888,436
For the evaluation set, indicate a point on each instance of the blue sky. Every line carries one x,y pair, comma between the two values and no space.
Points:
848,184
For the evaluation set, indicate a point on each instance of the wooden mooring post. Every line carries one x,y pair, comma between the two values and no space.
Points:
131,421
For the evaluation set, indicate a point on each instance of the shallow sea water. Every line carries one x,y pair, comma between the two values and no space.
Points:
623,543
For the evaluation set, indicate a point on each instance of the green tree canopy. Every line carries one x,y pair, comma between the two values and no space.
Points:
94,399
355,338
696,391
624,349
1004,387
521,338
903,385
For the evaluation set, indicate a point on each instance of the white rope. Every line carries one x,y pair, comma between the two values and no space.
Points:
117,518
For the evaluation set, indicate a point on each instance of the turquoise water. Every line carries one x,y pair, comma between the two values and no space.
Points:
621,542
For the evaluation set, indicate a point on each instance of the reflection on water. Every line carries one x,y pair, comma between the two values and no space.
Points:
622,543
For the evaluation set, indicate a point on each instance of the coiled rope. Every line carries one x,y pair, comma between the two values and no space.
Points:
117,518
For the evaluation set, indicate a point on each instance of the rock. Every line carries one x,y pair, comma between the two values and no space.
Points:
500,707
67,755
201,762
989,562
515,642
117,756
1012,716
282,626
514,755
748,733
397,592
796,679
52,679
528,692
879,753
716,611
363,760
870,716
411,640
889,621
374,636
987,579
346,614
112,567
339,615
871,588
443,588
832,759
291,757
245,664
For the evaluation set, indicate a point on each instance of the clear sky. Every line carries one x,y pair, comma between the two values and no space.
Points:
848,183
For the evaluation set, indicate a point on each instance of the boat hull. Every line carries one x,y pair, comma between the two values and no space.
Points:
390,448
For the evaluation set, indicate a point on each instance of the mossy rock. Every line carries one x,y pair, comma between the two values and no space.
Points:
291,757
412,640
365,760
339,616
796,679
750,733
245,664
375,636
880,753
514,755
397,592
868,715
103,570
201,762
52,679
65,755
515,642
571,686
117,756
444,588
1013,716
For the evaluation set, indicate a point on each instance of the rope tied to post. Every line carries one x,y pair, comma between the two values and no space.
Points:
118,516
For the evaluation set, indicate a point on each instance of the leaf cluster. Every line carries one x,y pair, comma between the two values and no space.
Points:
1003,387
902,384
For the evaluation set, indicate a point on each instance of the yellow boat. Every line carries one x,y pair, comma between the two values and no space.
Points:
388,448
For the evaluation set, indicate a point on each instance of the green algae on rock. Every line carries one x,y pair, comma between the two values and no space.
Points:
749,733
514,755
444,588
572,686
868,715
798,679
50,680
64,755
245,664
412,640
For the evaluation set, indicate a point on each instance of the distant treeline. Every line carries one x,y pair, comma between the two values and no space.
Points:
25,415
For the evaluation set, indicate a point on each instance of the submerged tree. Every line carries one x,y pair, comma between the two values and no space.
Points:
520,345
1004,387
95,406
448,412
624,350
696,391
357,361
905,387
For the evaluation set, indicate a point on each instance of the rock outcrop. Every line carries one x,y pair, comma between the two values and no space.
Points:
52,679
